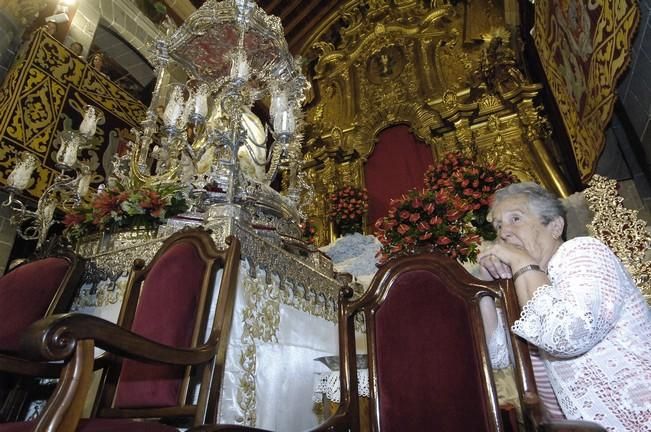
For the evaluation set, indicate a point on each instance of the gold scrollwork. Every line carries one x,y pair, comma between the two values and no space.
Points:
621,229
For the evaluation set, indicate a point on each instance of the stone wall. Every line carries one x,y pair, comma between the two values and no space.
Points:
620,160
7,235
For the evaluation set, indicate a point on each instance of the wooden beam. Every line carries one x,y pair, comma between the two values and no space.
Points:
295,41
271,6
288,9
305,10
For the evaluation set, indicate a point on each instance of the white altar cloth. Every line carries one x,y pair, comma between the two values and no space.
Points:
284,364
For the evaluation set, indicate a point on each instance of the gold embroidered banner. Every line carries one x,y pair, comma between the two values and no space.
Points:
44,94
584,47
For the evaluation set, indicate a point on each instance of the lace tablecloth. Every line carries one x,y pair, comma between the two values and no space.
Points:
327,385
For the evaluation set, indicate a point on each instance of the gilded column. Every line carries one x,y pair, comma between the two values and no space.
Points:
532,134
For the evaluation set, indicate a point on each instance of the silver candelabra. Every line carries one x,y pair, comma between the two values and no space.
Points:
233,54
66,191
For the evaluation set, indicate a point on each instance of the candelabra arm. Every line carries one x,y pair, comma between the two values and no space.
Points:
138,173
66,187
45,219
11,201
20,216
233,169
19,212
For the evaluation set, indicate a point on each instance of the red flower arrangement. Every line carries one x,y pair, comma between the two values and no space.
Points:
472,182
449,214
420,218
118,206
348,206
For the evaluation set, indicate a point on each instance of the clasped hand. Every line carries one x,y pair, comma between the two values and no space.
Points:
501,259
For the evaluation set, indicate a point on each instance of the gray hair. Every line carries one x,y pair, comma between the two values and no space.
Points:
541,202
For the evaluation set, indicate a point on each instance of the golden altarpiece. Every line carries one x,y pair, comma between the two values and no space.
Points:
448,72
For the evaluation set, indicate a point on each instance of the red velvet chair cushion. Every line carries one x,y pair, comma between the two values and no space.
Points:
121,425
166,313
98,425
25,295
428,373
17,427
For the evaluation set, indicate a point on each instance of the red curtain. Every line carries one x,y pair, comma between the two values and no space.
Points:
396,165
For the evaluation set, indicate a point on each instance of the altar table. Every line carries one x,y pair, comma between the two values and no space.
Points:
285,316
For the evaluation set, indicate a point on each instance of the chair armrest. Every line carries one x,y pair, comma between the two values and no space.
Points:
55,338
22,366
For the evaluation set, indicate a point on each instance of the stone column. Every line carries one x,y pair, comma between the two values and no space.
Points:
15,16
7,234
10,32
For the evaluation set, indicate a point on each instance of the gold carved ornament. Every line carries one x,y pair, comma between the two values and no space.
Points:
621,229
369,82
409,65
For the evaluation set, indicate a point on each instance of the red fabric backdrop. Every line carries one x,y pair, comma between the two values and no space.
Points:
396,165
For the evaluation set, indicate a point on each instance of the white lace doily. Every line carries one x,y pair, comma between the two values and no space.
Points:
327,384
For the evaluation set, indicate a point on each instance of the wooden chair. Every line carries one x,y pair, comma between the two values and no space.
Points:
161,362
31,291
429,367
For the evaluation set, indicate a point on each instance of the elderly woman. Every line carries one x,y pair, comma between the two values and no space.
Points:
580,308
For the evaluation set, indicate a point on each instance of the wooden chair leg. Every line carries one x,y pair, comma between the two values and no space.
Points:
509,417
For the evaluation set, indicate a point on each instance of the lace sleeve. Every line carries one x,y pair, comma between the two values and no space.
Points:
497,345
575,312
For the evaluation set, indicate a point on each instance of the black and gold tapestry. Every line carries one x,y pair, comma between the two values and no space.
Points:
44,94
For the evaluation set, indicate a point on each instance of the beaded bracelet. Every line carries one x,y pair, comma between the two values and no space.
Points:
527,268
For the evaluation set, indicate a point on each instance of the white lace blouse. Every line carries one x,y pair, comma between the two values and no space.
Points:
594,330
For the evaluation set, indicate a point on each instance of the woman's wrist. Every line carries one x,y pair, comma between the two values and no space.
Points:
526,268
528,282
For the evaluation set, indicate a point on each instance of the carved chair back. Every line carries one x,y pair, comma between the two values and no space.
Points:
429,367
170,301
29,292
34,290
